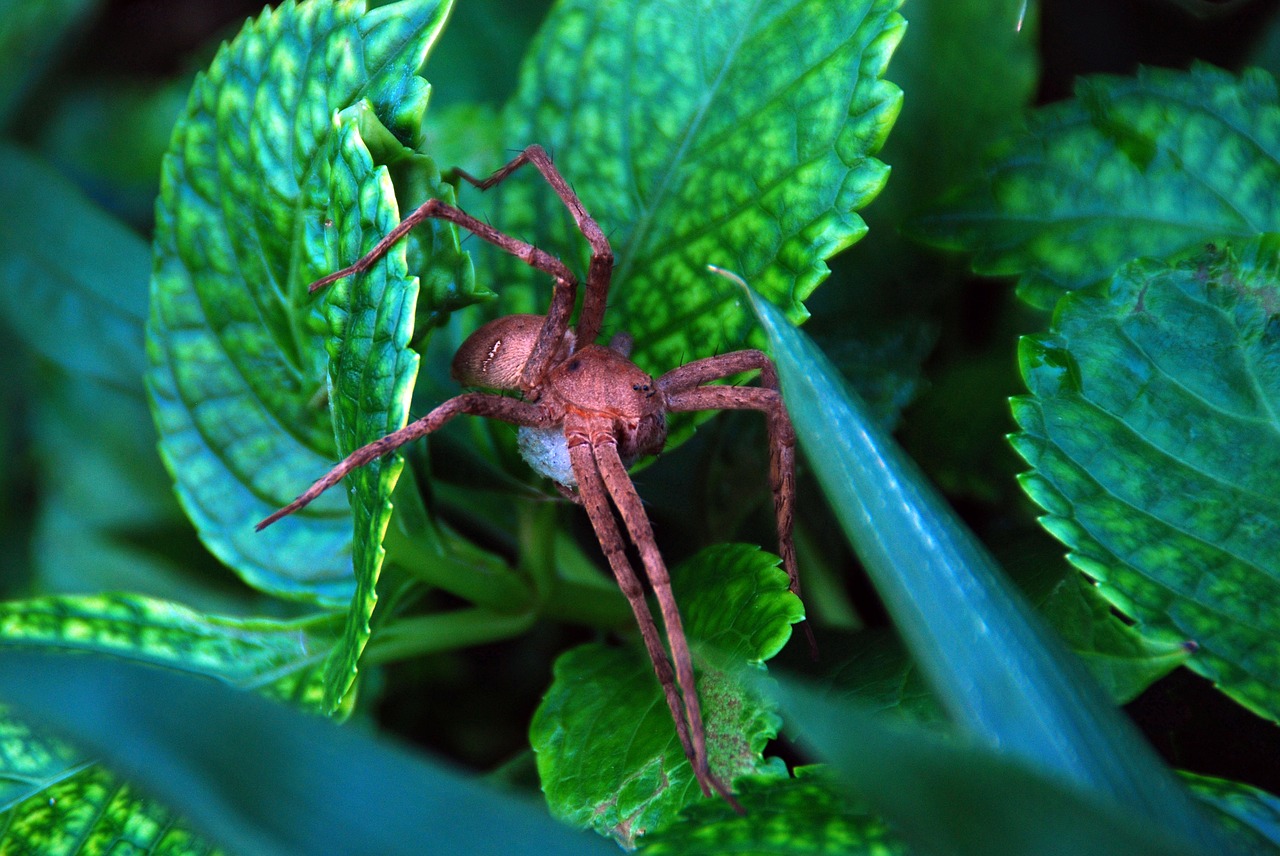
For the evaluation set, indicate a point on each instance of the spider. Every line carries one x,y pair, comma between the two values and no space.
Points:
585,413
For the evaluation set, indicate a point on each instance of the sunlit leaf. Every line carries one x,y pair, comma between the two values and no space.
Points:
607,749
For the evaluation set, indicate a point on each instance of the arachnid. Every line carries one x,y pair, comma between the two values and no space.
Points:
586,412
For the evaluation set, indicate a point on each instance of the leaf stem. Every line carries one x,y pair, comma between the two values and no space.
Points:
448,631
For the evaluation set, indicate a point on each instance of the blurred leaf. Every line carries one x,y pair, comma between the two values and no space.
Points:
238,371
707,132
1152,165
1120,658
946,796
72,278
109,137
31,32
1151,432
269,781
998,673
608,753
1252,815
280,658
807,815
55,803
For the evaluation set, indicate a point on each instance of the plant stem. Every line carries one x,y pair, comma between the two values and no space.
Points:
448,631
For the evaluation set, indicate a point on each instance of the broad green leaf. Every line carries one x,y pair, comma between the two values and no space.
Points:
72,278
806,815
1151,433
607,749
948,795
55,803
1252,815
1151,165
707,132
262,779
31,32
283,659
238,373
998,673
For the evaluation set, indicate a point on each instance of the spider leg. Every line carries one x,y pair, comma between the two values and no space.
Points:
622,491
595,498
600,271
473,403
685,389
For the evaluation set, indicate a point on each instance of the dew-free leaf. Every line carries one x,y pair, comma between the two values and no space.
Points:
608,753
1152,432
1151,165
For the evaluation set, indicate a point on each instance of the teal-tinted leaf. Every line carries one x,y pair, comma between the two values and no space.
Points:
238,372
995,669
708,132
946,795
265,780
1252,815
607,749
31,31
1151,165
806,815
1121,658
55,803
279,658
1151,430
72,278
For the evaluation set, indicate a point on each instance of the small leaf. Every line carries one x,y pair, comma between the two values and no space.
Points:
1121,659
806,815
280,658
238,371
1151,430
996,670
710,132
1152,165
266,780
608,753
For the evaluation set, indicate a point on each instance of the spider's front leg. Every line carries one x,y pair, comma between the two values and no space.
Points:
472,403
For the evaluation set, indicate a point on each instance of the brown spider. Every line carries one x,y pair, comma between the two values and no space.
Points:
586,413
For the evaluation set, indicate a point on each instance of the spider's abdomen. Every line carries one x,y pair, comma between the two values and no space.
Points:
494,355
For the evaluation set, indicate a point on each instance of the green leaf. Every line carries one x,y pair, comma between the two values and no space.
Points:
708,132
1120,658
54,803
806,815
1252,815
607,749
31,33
996,670
947,795
1152,165
72,278
279,658
1151,432
266,780
238,370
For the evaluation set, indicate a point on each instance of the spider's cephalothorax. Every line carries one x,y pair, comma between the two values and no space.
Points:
585,413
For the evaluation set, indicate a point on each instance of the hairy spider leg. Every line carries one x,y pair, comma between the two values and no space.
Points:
613,472
690,388
600,269
472,403
594,497
563,294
